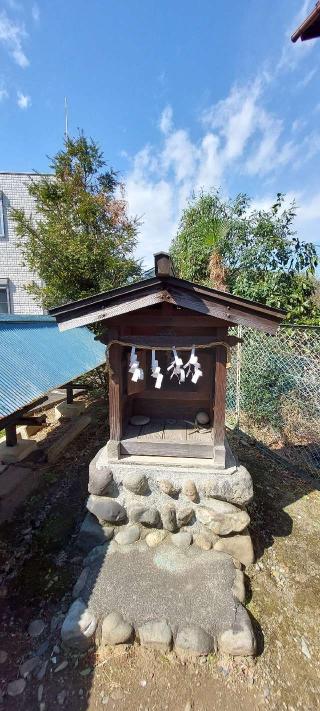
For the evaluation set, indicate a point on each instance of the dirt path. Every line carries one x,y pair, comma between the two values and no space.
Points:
39,566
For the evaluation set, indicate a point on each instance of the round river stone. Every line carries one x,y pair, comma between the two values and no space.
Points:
202,418
139,420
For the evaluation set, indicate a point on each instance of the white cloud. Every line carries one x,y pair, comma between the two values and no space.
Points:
11,36
179,155
23,100
14,5
210,164
267,154
3,94
298,125
309,148
35,11
310,209
246,129
235,117
307,78
308,216
240,136
266,201
165,123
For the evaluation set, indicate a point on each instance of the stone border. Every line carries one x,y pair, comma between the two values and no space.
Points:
81,627
80,630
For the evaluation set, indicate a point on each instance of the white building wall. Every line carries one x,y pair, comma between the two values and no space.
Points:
14,187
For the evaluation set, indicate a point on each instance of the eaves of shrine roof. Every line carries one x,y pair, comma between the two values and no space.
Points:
166,288
310,27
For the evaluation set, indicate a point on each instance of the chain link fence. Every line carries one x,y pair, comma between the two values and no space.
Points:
273,392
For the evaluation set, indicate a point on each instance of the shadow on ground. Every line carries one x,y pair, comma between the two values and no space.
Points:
275,488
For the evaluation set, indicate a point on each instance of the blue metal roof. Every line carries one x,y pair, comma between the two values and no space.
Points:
36,357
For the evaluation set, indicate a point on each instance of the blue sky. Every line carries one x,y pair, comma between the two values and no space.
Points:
180,95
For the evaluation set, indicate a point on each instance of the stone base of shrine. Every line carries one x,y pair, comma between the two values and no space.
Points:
170,493
164,481
160,592
165,542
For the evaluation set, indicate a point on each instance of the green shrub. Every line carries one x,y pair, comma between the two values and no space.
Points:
263,383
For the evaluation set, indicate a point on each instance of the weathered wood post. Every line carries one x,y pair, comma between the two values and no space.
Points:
11,435
115,389
219,413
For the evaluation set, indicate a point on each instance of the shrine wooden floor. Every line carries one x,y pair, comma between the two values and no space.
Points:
172,438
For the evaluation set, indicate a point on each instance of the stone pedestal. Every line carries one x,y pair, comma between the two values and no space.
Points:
67,411
170,493
160,529
11,455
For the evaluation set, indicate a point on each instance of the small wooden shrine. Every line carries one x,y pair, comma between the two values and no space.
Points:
166,484
168,347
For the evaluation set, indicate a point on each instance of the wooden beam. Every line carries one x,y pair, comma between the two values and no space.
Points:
112,310
36,420
164,316
75,386
230,314
181,395
166,449
11,429
220,403
115,392
172,340
17,415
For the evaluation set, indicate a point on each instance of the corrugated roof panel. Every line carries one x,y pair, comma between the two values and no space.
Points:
36,357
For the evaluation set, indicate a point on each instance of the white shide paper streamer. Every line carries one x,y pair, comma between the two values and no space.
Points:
134,367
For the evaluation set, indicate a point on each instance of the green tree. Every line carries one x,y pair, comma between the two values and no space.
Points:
81,240
257,251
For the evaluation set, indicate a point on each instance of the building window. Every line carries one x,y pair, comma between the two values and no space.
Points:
2,230
4,297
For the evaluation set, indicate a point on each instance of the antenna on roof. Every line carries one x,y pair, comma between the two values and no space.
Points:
65,118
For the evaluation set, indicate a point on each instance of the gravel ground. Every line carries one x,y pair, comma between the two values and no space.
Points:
39,565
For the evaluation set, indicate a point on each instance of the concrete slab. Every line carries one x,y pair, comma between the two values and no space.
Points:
20,451
56,449
184,586
3,437
68,411
28,431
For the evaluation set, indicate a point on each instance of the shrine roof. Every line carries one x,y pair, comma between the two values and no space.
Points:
310,27
164,287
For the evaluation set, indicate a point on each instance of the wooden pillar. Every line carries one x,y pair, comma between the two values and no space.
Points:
220,402
115,392
69,390
11,435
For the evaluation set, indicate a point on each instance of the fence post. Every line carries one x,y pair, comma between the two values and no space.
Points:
238,377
